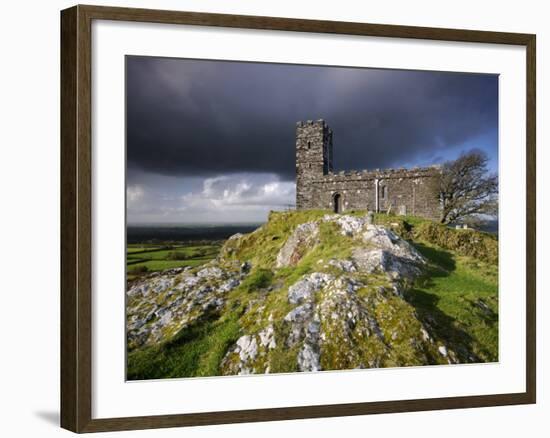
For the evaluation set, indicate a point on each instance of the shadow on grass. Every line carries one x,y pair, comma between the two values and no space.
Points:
441,325
484,312
183,355
439,257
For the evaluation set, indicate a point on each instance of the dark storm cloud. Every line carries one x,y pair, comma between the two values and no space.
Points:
187,117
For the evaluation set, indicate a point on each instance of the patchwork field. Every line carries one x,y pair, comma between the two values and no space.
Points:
145,258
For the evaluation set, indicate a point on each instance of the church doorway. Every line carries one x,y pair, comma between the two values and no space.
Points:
337,201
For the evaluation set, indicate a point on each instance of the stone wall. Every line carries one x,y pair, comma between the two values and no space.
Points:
402,191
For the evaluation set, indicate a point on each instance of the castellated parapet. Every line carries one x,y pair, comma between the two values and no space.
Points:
402,191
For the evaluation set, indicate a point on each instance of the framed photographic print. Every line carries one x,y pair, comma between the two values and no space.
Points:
270,218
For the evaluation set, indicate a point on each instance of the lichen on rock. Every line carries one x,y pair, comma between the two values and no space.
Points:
329,293
305,288
303,239
161,305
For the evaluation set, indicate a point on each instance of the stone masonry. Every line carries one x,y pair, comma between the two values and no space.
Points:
402,191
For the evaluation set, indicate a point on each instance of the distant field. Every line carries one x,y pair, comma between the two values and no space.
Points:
143,258
140,248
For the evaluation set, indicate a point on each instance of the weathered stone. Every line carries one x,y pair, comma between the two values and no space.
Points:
304,289
230,284
298,319
188,282
344,265
298,244
248,348
386,252
299,314
267,337
167,302
350,225
162,284
166,318
210,272
308,359
384,238
402,191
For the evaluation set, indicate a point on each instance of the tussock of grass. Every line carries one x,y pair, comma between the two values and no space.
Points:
258,279
283,360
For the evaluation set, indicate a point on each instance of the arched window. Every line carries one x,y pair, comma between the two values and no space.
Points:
309,145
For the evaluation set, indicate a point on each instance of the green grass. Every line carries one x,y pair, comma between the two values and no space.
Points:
160,265
140,248
190,251
458,299
261,246
158,258
258,279
195,351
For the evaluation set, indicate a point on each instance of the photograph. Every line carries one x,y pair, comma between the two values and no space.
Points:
267,219
287,218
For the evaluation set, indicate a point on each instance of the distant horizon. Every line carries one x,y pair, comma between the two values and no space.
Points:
193,224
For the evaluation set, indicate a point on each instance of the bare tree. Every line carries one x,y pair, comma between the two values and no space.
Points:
467,189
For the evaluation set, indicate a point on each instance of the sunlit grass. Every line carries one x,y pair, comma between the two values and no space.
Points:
458,298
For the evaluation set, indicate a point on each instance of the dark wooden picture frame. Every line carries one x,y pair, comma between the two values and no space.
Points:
76,218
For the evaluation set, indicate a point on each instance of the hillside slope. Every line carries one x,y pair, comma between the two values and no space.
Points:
311,291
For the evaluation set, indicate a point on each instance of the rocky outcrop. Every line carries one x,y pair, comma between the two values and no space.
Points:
304,289
388,253
303,239
340,323
345,310
354,318
162,304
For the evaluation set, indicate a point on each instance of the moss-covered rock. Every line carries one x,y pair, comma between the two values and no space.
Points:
302,240
310,291
161,305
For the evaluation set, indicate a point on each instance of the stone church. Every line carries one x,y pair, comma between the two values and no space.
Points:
401,191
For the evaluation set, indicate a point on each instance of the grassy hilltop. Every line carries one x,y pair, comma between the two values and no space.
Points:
312,291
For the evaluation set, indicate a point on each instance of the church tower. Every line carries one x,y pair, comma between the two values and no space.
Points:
313,159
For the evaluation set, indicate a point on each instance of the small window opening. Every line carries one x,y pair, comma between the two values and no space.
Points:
337,203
